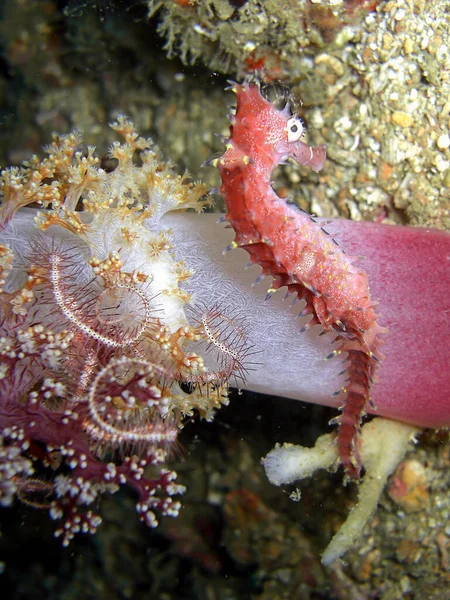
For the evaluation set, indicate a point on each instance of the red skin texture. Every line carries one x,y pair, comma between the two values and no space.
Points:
297,253
409,274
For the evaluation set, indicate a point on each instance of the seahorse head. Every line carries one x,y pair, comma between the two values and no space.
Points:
268,134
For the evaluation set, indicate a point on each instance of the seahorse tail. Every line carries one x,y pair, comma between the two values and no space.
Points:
357,396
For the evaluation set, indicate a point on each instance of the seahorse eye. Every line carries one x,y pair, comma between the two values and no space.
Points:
295,129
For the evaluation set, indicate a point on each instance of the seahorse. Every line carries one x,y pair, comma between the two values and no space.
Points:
297,252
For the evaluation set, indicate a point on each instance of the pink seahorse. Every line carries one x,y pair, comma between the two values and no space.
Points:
296,251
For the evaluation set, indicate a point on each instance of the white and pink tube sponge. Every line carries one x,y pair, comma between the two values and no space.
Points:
409,275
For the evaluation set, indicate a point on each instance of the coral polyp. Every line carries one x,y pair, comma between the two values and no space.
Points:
95,345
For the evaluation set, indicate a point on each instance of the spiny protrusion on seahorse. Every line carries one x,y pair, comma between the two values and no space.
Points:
295,249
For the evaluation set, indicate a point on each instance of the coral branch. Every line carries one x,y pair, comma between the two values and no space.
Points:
383,445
